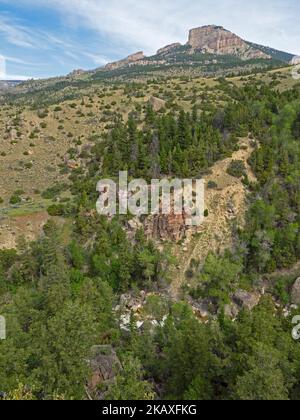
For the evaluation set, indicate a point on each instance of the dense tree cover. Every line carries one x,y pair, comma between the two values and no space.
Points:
272,233
253,358
182,146
58,293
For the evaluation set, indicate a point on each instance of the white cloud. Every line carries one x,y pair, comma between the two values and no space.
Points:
97,59
146,24
9,77
3,72
94,32
15,33
19,61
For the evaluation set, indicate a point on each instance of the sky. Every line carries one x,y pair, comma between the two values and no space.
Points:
45,38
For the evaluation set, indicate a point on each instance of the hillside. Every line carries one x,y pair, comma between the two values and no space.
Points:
149,308
211,51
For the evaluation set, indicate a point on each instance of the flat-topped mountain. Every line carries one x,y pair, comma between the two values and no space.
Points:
208,45
210,51
217,40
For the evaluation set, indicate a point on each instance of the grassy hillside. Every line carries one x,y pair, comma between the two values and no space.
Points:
275,54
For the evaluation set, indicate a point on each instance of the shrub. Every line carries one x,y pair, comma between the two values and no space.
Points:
15,199
212,185
237,169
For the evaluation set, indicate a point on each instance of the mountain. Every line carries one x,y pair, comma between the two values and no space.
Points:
210,49
275,54
7,85
217,40
127,61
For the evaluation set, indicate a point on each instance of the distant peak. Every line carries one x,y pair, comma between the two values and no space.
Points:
215,39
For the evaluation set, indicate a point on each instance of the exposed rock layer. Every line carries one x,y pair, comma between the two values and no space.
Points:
168,48
217,40
133,58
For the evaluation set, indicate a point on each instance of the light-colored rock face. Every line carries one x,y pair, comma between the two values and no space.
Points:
77,72
168,48
135,57
217,40
156,103
246,300
129,60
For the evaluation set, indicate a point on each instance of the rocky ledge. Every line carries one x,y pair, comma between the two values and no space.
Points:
217,40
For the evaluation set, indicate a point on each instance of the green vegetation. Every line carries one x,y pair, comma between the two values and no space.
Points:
237,169
61,294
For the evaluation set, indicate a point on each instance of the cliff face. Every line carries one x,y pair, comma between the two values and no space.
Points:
217,40
210,39
168,48
133,58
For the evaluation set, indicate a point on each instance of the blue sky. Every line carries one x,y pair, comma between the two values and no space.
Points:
42,38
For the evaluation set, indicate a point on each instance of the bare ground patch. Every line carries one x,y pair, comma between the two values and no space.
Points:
226,206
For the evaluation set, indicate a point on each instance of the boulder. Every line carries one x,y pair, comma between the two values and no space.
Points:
104,365
157,104
13,134
296,292
231,311
134,224
246,300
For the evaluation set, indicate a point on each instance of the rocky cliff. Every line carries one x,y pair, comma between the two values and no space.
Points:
210,39
133,58
168,48
217,40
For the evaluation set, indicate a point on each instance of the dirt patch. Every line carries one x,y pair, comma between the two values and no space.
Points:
226,205
30,227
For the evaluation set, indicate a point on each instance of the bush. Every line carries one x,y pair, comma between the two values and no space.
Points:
212,185
15,199
54,191
237,169
56,210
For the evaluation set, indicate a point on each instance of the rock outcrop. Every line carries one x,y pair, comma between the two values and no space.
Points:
217,40
170,227
76,73
210,39
168,48
133,58
156,103
246,300
296,292
104,365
